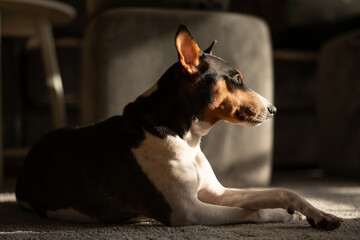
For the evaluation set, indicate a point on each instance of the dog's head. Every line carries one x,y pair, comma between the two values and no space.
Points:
227,96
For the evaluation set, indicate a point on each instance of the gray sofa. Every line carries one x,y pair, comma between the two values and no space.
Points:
126,50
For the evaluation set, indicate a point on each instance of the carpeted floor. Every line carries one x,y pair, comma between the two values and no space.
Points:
339,197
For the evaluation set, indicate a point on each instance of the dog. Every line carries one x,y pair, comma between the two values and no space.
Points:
148,162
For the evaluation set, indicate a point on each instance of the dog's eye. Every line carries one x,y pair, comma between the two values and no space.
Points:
238,78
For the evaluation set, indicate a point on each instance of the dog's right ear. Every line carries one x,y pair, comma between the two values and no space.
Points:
209,50
188,50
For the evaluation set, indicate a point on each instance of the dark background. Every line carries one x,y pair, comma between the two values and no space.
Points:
299,30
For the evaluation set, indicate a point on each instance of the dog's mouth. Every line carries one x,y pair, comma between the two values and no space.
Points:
247,119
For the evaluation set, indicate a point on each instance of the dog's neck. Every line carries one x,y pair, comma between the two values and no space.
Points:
196,131
166,109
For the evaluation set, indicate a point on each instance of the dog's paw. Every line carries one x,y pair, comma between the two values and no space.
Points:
326,221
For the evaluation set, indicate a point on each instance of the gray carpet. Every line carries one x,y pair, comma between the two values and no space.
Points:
340,198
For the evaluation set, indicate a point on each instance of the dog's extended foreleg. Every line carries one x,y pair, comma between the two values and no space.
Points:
198,212
212,192
271,199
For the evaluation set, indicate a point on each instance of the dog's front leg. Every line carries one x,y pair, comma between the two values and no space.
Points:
197,212
267,202
272,199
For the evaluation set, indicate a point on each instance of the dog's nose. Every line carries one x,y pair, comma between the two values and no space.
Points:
272,110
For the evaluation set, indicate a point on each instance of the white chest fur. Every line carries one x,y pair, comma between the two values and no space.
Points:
165,160
171,164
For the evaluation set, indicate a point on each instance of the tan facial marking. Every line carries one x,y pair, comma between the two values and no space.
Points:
228,103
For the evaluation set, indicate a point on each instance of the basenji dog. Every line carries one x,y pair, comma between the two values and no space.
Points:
148,162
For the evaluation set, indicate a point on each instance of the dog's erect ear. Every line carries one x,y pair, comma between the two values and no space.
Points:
187,49
210,48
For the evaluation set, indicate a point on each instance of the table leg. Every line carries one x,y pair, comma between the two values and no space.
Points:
53,77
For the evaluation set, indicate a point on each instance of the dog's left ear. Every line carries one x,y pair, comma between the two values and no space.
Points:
188,50
210,48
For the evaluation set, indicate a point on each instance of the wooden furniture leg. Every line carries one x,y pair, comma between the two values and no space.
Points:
35,18
52,73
